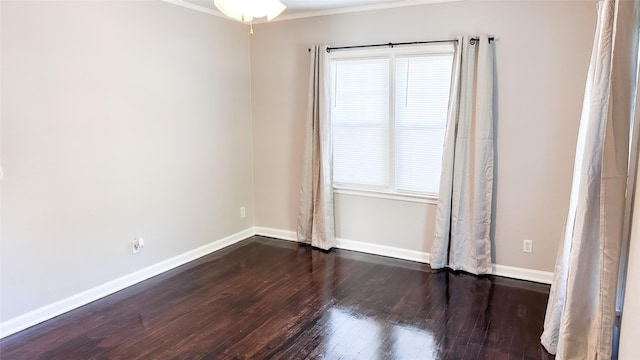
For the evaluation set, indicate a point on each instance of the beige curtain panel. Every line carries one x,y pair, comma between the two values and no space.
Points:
581,310
463,216
316,220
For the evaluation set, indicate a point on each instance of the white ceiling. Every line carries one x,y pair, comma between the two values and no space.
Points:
304,8
297,6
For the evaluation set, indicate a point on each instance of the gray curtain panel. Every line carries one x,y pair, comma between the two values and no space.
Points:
581,309
463,216
316,220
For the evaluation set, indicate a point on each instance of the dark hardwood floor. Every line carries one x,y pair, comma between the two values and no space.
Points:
272,299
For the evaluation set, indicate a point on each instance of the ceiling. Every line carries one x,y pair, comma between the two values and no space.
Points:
304,8
297,6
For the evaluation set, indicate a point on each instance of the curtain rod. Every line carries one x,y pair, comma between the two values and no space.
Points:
472,41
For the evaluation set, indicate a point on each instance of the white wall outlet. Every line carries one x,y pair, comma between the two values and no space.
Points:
527,246
138,244
243,212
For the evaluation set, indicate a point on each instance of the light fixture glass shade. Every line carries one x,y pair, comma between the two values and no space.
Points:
246,10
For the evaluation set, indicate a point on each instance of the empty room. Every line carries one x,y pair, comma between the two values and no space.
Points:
319,179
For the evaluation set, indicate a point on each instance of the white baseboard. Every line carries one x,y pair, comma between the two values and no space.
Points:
50,311
60,307
545,277
276,233
359,246
390,251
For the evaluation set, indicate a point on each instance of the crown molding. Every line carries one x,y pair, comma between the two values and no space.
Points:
354,9
315,13
199,8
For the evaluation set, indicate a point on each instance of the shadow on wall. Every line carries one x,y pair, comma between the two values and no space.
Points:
496,157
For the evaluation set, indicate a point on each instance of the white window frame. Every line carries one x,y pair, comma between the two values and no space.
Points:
390,191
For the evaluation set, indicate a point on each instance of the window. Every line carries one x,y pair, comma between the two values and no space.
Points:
389,112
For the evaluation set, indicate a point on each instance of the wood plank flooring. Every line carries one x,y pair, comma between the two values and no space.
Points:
271,299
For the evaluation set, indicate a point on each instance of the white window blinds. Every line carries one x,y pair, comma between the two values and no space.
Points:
388,118
422,96
360,121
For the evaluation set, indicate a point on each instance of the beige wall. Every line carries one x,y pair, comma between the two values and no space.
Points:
542,53
118,119
122,119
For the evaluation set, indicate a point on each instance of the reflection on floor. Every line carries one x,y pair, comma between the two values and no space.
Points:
352,336
265,298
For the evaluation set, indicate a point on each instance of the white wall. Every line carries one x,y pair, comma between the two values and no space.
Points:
118,119
542,53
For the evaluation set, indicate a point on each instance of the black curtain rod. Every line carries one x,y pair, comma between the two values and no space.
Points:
472,41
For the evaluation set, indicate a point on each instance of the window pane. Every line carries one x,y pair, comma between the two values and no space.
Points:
360,155
360,116
422,97
419,161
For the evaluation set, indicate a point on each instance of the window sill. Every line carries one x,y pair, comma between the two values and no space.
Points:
423,199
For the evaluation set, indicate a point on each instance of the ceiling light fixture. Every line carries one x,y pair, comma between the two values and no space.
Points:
247,10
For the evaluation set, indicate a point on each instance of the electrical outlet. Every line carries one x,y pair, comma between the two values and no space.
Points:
243,212
527,246
138,244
